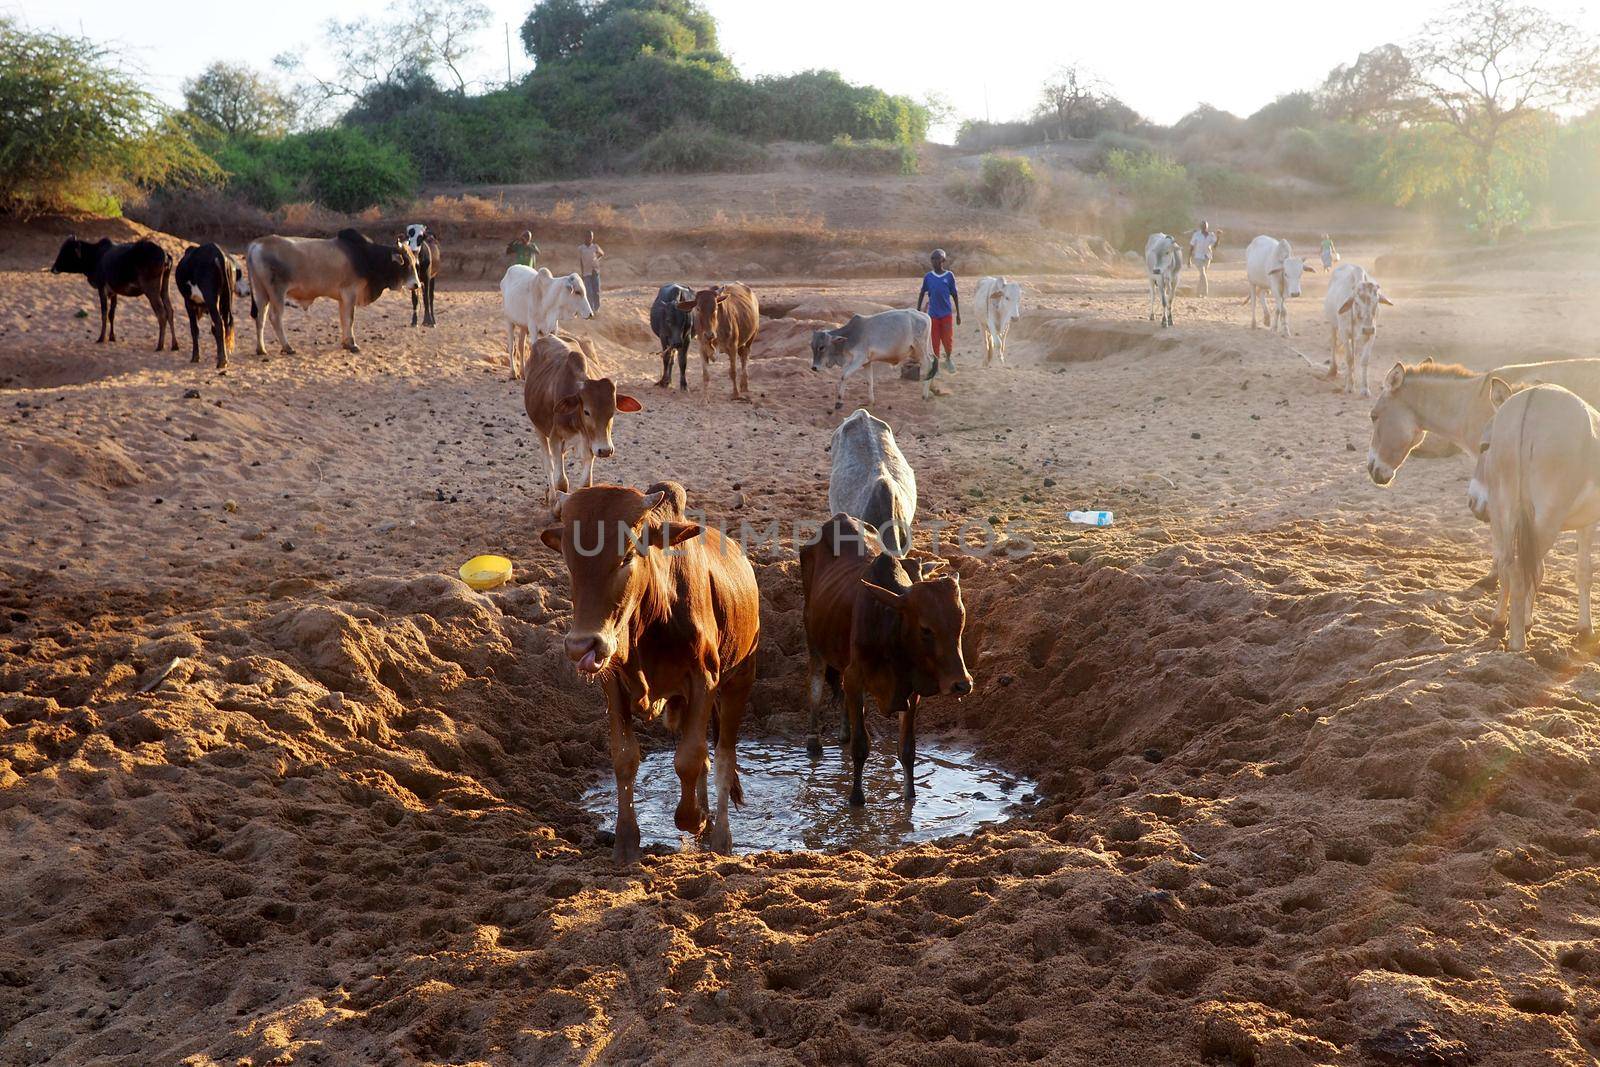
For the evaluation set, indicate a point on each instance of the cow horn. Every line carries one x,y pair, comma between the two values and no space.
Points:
653,500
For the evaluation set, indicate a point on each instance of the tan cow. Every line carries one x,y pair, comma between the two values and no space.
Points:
566,397
348,268
725,317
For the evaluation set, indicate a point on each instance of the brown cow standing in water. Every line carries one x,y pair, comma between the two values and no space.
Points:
725,317
886,628
130,269
665,613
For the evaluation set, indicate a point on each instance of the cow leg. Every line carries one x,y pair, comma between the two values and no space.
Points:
838,398
818,671
553,464
1253,307
732,696
625,766
416,298
908,748
872,384
275,313
588,478
105,318
855,707
683,367
347,323
154,299
690,759
1366,378
111,319
1585,577
429,318
166,307
194,330
666,369
220,332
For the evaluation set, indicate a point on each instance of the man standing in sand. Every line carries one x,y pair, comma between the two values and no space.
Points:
1330,255
524,251
943,305
1201,244
589,257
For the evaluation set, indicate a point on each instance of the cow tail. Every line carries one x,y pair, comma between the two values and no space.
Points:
1525,557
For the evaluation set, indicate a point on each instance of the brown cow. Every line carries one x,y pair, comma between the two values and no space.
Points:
566,397
664,613
348,268
725,317
886,628
131,269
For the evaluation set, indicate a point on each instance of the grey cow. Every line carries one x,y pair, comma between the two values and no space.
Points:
872,481
887,337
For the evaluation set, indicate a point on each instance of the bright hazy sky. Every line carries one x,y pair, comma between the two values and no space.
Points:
1161,57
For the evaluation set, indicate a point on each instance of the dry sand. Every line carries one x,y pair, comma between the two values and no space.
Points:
277,788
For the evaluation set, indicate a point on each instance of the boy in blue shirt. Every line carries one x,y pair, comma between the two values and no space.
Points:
943,305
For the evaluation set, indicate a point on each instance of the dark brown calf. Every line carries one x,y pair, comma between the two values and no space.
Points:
884,628
665,613
130,269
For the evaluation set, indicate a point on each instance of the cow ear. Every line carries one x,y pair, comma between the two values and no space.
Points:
1344,308
400,258
1395,378
686,305
653,500
551,536
837,340
669,534
567,405
1275,270
1384,300
1425,361
722,294
929,568
1499,391
887,597
628,403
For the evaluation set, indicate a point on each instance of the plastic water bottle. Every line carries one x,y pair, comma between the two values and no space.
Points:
1090,518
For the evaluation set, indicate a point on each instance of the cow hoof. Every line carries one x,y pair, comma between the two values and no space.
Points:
837,405
1586,636
664,384
195,358
288,350
352,347
814,746
625,854
718,840
858,799
683,387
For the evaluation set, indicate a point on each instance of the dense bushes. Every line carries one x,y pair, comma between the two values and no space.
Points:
340,168
869,157
1004,182
694,148
1161,196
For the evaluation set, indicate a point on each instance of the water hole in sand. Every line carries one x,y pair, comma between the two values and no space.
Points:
794,802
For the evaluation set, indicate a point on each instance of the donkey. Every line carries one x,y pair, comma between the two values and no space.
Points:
1541,472
1452,402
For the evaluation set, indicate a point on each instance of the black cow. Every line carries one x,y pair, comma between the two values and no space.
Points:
426,246
207,278
122,269
670,324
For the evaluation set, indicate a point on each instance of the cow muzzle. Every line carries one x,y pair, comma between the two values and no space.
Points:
589,653
960,687
1478,500
604,451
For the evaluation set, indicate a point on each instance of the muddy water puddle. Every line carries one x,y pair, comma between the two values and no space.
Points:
795,802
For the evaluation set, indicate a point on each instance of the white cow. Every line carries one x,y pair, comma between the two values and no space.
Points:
1164,258
866,340
1000,303
534,302
1273,270
1351,308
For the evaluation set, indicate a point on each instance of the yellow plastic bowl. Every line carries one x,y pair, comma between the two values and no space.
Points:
485,572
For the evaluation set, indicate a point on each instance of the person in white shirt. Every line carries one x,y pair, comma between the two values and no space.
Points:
1202,244
589,256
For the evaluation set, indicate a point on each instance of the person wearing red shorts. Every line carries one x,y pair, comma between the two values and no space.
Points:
944,308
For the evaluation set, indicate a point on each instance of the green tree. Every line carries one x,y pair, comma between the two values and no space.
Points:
687,12
1491,71
238,102
630,33
554,29
78,133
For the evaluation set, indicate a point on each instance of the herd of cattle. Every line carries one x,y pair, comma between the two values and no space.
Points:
666,612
